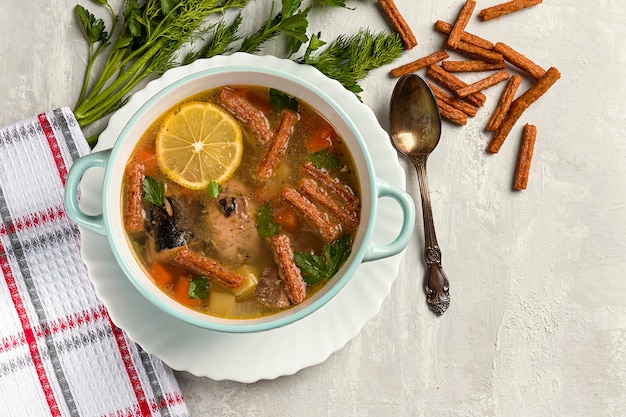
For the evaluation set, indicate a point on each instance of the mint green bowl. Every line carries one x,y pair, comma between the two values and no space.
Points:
303,82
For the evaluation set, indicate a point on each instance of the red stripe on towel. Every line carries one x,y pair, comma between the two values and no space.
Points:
54,146
60,325
133,377
170,400
74,321
29,335
33,220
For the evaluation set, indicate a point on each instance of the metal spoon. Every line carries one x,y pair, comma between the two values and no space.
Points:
415,130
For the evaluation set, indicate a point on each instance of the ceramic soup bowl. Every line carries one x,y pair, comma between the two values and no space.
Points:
327,96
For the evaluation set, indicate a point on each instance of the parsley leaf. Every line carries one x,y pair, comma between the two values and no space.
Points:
213,189
198,288
316,268
265,221
335,3
324,159
93,28
281,101
153,191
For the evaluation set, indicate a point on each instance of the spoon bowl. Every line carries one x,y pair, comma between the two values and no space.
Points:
415,125
415,120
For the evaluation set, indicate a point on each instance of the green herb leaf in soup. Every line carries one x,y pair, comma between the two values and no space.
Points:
324,160
199,288
153,191
281,101
213,189
318,268
265,221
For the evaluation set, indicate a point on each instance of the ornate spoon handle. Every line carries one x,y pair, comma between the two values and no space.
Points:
437,285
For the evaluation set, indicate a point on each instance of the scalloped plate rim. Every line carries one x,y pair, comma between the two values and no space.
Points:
357,303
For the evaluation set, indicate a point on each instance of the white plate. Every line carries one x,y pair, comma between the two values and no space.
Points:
252,356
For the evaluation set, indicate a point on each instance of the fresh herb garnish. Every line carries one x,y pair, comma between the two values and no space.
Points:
324,159
198,288
335,3
318,268
153,32
290,21
350,58
265,221
153,191
92,28
147,43
223,36
280,101
213,189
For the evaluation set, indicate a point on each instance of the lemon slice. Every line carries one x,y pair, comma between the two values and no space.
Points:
198,143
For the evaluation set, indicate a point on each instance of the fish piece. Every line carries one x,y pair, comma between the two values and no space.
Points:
270,291
247,113
288,271
228,224
204,265
133,217
166,224
278,147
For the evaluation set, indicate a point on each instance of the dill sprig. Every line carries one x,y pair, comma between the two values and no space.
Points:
147,44
349,59
290,21
224,35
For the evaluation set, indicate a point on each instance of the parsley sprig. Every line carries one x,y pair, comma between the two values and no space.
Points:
324,159
280,101
199,288
153,191
318,268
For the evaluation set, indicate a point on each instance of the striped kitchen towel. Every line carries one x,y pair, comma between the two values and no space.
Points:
60,354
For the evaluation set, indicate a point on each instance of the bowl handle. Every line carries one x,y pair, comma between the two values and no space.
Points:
90,221
376,251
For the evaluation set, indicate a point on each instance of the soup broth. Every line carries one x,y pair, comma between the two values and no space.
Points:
263,240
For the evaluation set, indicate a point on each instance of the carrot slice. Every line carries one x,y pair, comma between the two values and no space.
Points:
161,274
147,157
181,293
287,218
320,140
